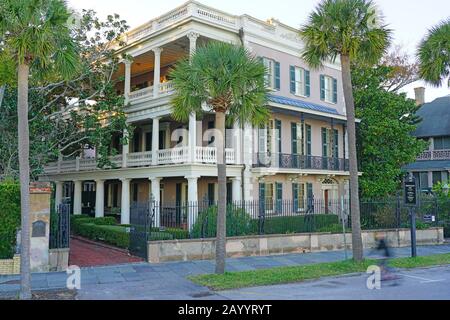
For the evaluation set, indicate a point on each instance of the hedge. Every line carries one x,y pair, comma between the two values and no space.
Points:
9,218
299,224
114,235
239,223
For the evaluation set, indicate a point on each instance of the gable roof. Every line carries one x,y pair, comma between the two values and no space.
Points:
435,118
302,104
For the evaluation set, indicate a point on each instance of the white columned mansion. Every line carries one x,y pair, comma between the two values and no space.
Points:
300,154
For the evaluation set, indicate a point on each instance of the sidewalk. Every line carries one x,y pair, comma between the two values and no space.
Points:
168,280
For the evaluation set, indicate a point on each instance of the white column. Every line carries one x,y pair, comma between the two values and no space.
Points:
155,196
127,88
125,209
125,149
192,200
248,162
193,36
77,206
100,198
58,194
155,141
237,143
192,136
236,189
157,71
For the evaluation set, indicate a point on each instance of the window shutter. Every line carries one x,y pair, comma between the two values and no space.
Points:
336,143
322,87
310,196
292,73
324,143
278,132
279,197
277,76
334,90
294,138
295,196
308,140
307,83
262,198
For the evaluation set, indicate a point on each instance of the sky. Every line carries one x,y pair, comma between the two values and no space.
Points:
409,19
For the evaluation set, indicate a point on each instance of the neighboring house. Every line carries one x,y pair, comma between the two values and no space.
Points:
301,154
433,165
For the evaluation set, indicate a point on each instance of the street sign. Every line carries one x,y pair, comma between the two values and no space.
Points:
410,192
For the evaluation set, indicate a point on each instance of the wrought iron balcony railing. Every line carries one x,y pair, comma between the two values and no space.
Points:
293,161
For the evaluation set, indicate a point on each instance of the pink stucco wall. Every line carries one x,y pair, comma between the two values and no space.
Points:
287,60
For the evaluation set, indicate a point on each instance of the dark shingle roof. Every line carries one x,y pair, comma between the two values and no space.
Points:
435,118
302,104
429,165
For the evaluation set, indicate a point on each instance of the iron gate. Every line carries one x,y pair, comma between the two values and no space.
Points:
141,221
60,228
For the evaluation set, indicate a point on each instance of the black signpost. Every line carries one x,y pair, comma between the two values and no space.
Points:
411,202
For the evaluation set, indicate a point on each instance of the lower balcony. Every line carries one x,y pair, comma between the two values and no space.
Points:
203,155
434,155
292,161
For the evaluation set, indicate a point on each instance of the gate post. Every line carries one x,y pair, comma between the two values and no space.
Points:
40,226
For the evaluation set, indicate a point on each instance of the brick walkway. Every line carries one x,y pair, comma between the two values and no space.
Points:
90,254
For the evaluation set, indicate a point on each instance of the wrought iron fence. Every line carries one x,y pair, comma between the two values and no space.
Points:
198,219
60,228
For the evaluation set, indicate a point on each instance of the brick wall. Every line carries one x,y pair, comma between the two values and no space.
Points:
10,266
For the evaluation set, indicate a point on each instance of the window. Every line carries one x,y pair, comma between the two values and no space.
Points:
270,197
298,141
328,89
437,177
330,143
89,187
300,81
442,143
423,180
299,194
272,76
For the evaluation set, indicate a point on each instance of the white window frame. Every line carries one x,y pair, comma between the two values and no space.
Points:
301,207
270,72
270,201
300,85
328,86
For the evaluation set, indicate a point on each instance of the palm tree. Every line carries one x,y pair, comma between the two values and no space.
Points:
434,54
36,35
231,82
351,30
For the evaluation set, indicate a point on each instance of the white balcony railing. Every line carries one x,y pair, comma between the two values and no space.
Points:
203,155
164,89
190,10
434,155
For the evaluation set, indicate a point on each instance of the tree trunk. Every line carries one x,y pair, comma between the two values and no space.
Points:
222,205
24,172
353,162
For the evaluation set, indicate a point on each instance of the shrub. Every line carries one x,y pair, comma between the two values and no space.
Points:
114,235
299,224
106,221
333,228
239,223
9,218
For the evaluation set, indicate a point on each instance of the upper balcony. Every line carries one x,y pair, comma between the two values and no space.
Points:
434,155
181,155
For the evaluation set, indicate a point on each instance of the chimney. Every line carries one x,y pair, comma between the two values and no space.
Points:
420,95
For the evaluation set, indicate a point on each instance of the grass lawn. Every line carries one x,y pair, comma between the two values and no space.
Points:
265,277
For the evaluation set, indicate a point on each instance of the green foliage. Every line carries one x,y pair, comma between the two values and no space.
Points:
333,228
168,234
58,123
9,218
114,235
239,223
226,77
344,27
299,224
434,54
384,136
